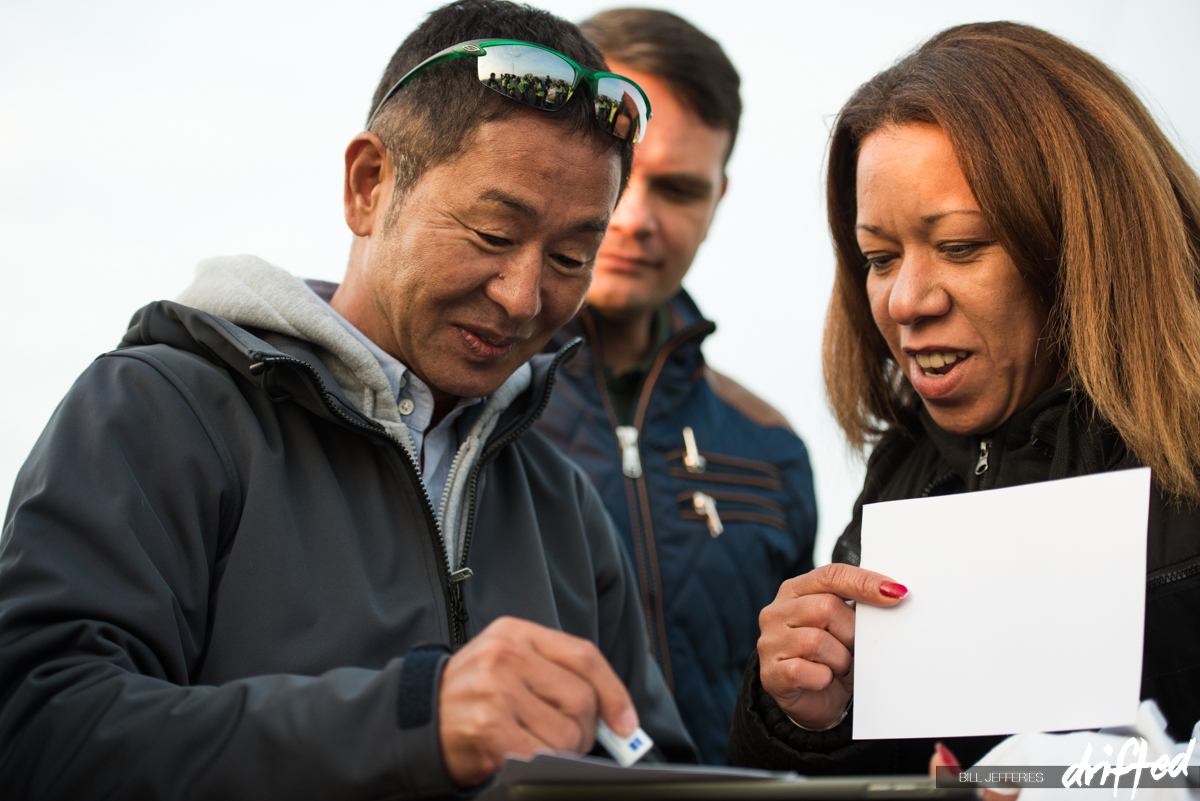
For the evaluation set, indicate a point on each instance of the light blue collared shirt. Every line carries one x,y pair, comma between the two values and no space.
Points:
437,446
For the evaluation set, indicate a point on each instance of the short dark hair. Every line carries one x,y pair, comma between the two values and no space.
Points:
691,62
422,130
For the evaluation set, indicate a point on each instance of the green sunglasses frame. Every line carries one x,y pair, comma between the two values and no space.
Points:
478,47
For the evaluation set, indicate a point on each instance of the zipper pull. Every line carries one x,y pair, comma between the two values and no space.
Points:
705,505
982,465
631,460
692,460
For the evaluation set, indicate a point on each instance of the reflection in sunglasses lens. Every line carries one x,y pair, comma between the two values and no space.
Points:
528,75
620,109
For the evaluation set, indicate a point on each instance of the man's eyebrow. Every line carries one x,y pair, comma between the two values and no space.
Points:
688,181
596,226
511,201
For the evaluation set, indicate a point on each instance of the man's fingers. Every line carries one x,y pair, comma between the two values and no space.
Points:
584,659
568,694
847,581
555,729
519,688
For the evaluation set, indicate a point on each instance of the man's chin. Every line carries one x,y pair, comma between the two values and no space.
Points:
617,295
469,380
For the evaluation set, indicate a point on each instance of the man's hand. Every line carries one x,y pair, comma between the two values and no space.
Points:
518,689
806,647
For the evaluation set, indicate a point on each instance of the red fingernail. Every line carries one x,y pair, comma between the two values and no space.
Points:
950,759
893,590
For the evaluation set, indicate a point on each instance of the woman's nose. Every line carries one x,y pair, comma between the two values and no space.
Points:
918,292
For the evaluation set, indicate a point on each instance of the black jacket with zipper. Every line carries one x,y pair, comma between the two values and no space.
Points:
1058,436
217,576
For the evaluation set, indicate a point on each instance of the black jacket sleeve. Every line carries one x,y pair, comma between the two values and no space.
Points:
763,737
111,541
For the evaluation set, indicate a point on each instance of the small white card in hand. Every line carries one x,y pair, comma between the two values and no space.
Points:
1024,612
626,750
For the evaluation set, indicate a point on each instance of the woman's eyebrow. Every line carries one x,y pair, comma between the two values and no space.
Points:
932,218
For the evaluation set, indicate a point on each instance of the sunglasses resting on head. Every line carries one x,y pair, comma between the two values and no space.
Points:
545,79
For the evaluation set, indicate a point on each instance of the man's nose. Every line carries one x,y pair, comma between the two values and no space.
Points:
517,288
917,292
635,216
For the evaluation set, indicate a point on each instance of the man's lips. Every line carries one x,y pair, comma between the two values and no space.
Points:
486,344
626,262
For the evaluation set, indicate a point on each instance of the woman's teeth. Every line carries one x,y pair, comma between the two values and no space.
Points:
934,361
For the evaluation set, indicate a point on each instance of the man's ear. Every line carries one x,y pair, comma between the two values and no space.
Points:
368,187
724,186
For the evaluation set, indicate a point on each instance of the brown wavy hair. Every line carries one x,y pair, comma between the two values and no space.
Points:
1095,206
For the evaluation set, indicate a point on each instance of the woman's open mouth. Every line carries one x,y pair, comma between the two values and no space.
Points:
937,363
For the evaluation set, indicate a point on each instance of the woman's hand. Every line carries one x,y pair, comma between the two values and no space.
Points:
806,646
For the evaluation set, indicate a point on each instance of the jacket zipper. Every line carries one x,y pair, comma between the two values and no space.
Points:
450,589
981,465
631,458
628,442
1173,576
463,572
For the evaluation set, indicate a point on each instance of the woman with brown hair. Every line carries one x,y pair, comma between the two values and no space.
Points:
1017,299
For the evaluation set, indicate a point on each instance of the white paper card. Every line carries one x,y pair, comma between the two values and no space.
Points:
1024,613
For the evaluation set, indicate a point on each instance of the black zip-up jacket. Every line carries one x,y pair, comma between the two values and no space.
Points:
1058,436
216,575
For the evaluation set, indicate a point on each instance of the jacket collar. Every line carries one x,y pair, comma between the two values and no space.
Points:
689,329
1038,424
685,315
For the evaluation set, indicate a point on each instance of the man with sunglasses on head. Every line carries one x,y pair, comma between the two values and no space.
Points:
709,487
296,540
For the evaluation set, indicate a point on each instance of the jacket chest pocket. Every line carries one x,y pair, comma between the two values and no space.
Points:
721,489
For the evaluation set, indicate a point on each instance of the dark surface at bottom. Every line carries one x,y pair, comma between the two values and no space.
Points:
862,787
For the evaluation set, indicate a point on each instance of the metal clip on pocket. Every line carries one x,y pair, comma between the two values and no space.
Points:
692,460
705,505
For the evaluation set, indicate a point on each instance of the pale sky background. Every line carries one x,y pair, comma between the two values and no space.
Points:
137,138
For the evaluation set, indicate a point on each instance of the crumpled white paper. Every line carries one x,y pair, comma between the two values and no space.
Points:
1068,749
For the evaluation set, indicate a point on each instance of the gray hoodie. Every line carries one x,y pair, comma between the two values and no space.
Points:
249,292
221,576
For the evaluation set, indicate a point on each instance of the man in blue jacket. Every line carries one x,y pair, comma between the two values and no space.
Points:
709,487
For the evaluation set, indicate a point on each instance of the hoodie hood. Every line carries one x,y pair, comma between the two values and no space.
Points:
250,293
